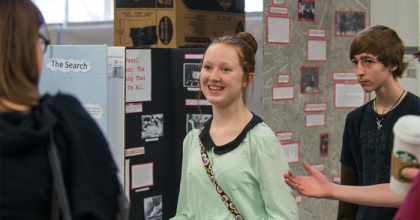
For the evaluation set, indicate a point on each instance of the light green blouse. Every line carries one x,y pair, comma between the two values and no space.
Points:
251,175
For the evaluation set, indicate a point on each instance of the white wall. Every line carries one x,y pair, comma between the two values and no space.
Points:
83,34
403,16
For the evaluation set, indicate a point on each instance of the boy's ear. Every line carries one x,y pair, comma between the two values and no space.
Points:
393,68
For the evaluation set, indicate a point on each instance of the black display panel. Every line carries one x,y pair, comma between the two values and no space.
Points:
152,129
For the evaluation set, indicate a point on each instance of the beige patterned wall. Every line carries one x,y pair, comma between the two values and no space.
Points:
289,115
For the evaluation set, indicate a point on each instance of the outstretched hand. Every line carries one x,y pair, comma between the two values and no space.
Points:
317,185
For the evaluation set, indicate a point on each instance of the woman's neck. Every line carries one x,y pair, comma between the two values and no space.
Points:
227,124
8,106
223,119
233,114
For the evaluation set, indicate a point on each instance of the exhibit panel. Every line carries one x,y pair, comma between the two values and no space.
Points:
309,84
148,153
186,67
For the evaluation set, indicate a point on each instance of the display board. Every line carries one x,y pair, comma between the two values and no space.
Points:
80,71
148,154
309,84
95,75
145,101
186,67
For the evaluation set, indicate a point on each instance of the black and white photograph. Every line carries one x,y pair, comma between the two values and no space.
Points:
306,11
196,121
309,80
349,23
153,208
192,74
117,72
152,126
323,145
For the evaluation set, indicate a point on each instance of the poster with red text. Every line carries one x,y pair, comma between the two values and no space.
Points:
138,72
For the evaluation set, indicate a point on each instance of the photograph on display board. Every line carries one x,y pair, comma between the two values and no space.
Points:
153,208
196,121
192,74
336,179
309,80
152,126
117,70
323,145
306,11
349,23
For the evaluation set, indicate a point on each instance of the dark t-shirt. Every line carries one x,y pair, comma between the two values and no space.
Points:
368,150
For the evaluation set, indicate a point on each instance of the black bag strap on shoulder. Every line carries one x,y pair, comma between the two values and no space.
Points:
58,179
60,194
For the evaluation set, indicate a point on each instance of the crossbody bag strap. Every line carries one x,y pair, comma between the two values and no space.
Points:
210,173
58,178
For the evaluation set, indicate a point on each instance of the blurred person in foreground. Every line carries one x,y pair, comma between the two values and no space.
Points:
26,119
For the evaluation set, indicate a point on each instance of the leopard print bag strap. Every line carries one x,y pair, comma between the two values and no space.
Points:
209,171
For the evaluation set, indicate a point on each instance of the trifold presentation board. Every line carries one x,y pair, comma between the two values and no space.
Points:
161,92
186,67
145,101
148,157
94,74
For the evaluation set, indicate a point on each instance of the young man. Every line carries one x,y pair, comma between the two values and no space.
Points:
377,54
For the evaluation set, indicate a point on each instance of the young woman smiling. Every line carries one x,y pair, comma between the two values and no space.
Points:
230,168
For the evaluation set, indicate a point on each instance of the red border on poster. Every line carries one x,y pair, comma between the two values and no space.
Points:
298,199
272,91
333,177
288,78
323,170
298,146
285,132
306,121
335,22
270,7
325,32
267,34
298,11
284,2
314,103
353,107
346,72
129,179
307,50
131,176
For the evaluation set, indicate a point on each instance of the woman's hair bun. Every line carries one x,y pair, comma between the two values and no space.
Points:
247,37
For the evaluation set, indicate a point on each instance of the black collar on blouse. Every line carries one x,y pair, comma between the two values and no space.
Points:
208,142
